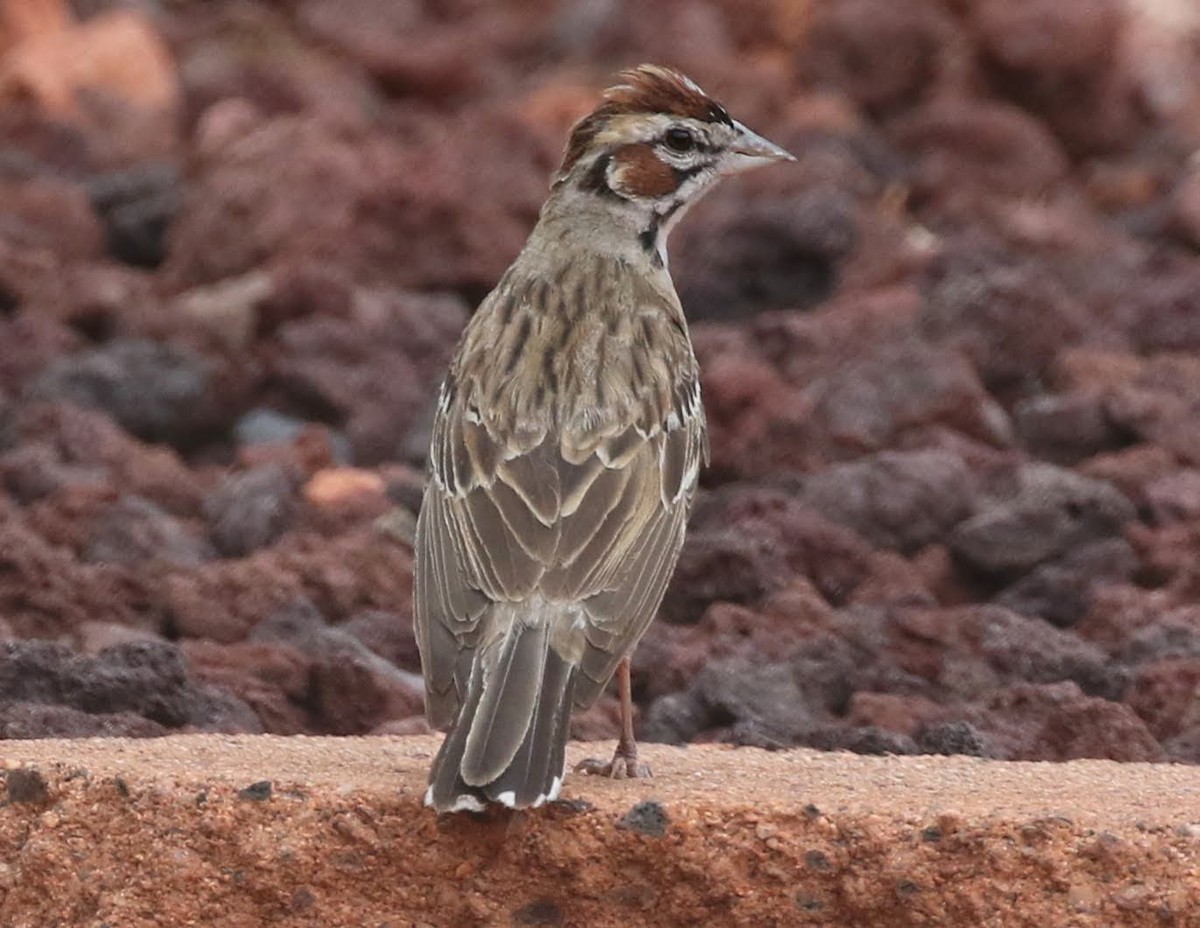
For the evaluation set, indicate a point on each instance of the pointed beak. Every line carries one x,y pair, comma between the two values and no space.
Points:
750,150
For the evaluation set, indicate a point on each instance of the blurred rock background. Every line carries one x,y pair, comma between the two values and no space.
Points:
951,360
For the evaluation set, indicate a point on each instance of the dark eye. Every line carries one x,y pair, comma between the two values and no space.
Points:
679,140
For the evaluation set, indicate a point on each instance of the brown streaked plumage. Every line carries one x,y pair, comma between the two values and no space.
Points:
566,447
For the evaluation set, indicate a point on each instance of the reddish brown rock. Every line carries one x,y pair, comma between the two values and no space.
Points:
902,387
1057,60
974,150
1175,497
1057,721
45,592
754,417
48,217
223,601
1131,469
884,56
118,52
901,714
273,679
1166,694
79,445
351,689
1161,404
1011,317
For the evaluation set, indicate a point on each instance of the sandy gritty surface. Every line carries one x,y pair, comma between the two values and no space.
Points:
175,831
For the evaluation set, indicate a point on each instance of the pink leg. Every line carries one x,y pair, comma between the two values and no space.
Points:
624,763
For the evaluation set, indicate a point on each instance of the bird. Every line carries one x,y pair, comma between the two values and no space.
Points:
567,442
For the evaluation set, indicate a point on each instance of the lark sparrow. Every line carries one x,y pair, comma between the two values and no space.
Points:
568,437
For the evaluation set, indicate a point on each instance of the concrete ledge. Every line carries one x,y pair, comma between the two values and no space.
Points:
183,831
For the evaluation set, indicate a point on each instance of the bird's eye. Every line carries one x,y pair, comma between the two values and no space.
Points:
679,140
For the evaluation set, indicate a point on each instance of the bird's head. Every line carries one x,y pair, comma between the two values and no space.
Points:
657,139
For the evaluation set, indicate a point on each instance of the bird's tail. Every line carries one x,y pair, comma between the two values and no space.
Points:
508,743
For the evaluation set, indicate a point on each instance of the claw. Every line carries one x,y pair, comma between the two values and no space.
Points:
623,766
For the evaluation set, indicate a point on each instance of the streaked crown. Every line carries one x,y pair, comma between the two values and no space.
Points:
658,137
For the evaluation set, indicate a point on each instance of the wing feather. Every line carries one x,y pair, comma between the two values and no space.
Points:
530,496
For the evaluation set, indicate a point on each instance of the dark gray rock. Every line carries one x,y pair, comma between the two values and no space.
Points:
866,739
646,818
134,531
146,678
157,392
951,738
1058,591
1046,512
896,499
251,510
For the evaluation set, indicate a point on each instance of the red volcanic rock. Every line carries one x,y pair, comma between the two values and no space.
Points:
351,690
404,49
1131,469
1175,497
433,216
902,387
1056,721
1166,694
1117,613
1168,554
1010,317
118,53
885,56
45,592
902,714
948,369
1161,404
377,369
222,601
76,445
972,150
1059,61
272,679
756,420
44,216
215,238
968,651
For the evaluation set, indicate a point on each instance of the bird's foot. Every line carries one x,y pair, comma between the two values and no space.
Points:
623,766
